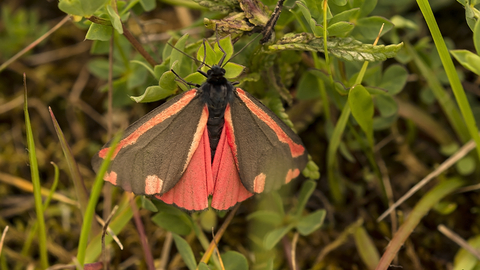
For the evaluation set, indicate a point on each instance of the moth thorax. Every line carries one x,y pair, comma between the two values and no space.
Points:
216,75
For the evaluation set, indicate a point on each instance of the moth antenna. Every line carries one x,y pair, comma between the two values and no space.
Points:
220,63
237,53
189,56
183,81
199,69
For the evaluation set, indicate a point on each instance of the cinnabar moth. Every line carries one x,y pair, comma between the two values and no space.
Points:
215,140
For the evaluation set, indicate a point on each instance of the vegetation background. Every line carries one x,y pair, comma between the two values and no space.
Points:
373,129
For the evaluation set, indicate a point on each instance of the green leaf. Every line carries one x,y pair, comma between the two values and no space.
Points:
340,29
148,5
210,59
75,175
273,237
233,70
99,32
147,204
167,82
347,15
464,260
366,248
196,78
311,171
394,79
361,103
233,260
366,6
347,49
167,50
92,202
32,157
470,16
166,88
381,123
203,266
100,66
158,70
83,8
151,94
277,201
386,105
227,46
115,19
314,8
136,77
100,47
208,220
468,59
185,251
466,165
445,207
476,37
316,29
340,2
370,27
307,189
177,57
310,223
266,216
309,86
174,222
145,65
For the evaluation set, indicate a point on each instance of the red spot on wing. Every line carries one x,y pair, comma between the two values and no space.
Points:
295,149
228,189
157,119
192,190
259,183
153,185
291,174
110,177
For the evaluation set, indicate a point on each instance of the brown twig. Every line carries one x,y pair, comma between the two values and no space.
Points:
469,146
110,87
138,46
294,250
141,233
104,232
33,44
216,249
458,240
110,231
3,238
388,191
218,236
270,25
167,246
129,37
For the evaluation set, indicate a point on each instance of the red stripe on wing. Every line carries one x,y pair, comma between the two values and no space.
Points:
157,119
229,189
192,190
198,136
296,149
230,134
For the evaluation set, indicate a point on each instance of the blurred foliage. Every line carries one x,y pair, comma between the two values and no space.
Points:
405,123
